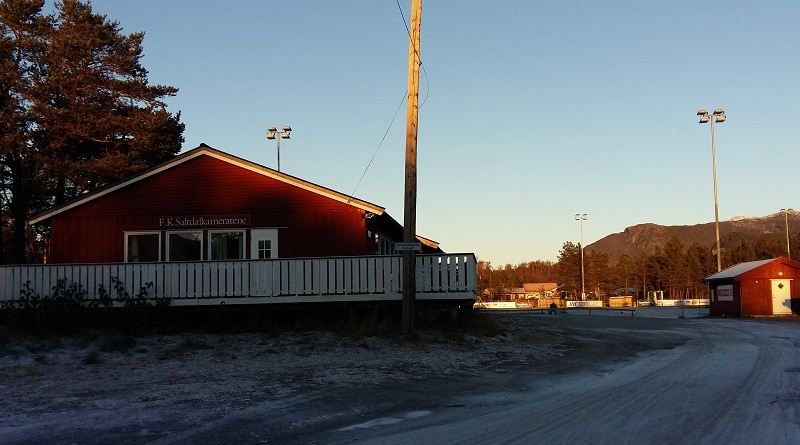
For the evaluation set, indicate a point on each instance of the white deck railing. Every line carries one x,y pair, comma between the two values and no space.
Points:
296,280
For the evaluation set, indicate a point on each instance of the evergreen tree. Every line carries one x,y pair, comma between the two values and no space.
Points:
767,247
568,268
700,262
485,275
737,250
82,113
675,268
656,270
625,275
598,274
21,31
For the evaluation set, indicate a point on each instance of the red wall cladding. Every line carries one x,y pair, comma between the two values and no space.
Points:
309,224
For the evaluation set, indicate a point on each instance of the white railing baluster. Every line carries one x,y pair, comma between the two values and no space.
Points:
374,275
319,271
452,273
338,274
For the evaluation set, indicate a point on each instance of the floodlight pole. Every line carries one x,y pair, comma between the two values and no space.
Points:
410,204
786,219
717,116
274,133
582,217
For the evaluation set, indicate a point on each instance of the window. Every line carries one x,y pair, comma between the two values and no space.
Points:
264,249
185,246
142,247
383,245
227,246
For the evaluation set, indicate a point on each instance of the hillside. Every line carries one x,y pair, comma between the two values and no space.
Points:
646,238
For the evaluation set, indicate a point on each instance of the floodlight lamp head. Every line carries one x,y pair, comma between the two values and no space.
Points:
270,135
719,111
287,128
284,135
720,118
272,129
705,119
702,112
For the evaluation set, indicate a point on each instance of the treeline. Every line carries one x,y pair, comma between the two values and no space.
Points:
673,268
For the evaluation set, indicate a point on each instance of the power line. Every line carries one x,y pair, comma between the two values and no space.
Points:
427,92
379,146
419,56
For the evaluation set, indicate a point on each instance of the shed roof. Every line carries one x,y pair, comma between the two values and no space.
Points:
740,269
205,150
735,271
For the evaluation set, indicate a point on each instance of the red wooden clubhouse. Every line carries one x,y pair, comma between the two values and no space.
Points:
208,227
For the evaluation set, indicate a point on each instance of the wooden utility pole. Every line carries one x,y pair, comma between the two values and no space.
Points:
410,213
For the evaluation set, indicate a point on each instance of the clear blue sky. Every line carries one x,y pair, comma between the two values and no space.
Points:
533,110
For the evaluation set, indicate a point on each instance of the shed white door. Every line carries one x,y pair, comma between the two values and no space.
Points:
263,244
781,297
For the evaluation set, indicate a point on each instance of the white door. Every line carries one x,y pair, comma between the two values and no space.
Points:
263,244
781,297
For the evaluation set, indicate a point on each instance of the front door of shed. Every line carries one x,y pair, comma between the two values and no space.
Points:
781,297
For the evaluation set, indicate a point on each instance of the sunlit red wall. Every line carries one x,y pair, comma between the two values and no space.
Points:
308,224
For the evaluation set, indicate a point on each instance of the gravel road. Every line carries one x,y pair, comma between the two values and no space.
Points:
732,381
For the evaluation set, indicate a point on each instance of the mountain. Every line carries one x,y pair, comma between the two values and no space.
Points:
646,238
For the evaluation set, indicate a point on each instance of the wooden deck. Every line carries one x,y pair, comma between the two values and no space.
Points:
296,280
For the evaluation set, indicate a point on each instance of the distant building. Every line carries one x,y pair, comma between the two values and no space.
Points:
530,291
756,288
539,290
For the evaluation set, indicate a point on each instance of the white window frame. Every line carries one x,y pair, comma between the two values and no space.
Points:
243,246
144,232
167,257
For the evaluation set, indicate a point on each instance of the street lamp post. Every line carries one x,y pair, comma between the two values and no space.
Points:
274,133
718,115
786,219
582,217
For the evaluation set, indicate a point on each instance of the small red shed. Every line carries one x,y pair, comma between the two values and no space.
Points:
756,288
209,205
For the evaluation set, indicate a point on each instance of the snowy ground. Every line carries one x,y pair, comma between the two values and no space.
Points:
74,386
732,381
315,387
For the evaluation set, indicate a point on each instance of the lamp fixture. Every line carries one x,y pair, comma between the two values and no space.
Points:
277,135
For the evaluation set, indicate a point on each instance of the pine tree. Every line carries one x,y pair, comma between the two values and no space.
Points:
82,112
568,267
21,28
